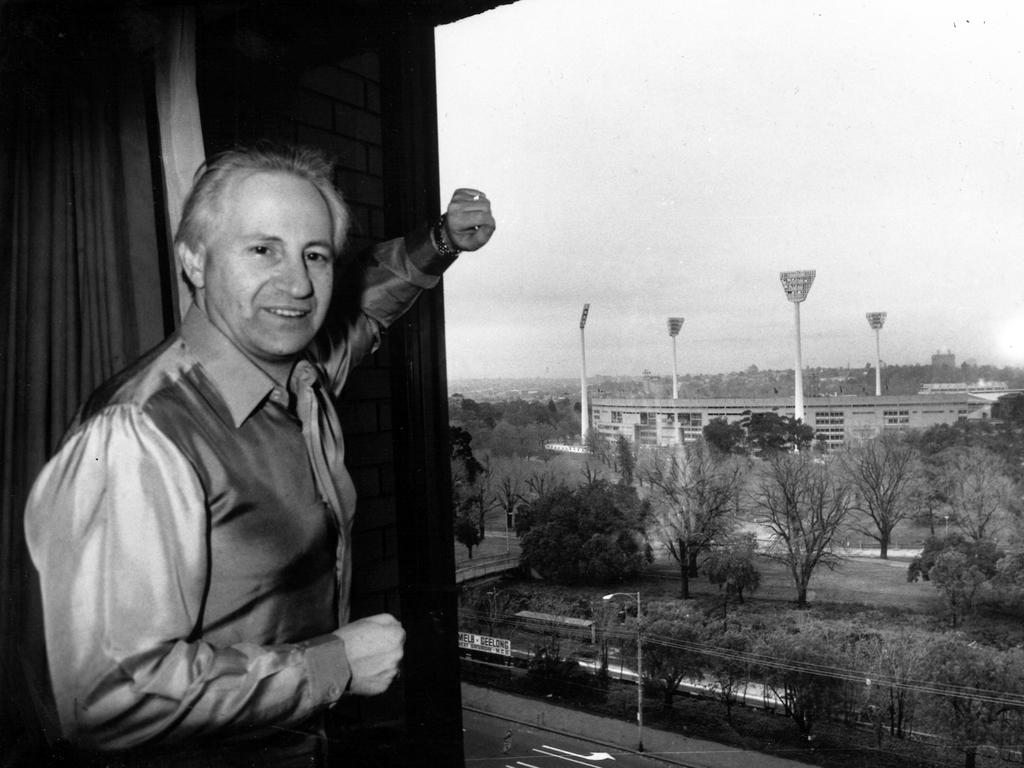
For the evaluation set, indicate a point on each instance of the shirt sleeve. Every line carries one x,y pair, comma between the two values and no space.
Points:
389,278
116,525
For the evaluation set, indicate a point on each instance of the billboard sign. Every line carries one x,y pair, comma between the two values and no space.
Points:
496,645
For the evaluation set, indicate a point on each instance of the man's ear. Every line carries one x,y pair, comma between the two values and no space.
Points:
193,264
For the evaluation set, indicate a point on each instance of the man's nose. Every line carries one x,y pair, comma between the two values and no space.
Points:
294,277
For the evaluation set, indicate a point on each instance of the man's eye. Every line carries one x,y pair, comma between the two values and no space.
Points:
318,256
260,250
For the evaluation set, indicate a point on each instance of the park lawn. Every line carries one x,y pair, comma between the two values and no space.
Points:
867,581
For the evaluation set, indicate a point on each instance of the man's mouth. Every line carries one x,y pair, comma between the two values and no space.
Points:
291,313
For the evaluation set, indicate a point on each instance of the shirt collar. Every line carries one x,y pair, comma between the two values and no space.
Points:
242,383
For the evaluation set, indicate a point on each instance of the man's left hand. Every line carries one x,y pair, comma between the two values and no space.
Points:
469,224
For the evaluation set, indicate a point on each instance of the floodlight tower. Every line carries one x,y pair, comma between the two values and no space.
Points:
675,324
876,320
796,285
584,405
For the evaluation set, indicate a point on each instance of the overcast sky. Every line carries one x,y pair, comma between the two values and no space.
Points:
669,157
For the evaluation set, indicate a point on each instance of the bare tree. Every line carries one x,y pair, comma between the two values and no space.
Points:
980,491
507,494
803,507
695,497
882,473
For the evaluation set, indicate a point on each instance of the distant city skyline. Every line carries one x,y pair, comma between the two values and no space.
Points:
671,157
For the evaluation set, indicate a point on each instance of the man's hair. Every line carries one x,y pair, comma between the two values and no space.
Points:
213,181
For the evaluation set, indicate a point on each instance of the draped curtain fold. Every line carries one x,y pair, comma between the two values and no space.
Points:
84,284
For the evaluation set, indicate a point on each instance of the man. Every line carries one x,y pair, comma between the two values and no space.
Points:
192,532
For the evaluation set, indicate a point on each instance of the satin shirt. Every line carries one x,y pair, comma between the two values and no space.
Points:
191,573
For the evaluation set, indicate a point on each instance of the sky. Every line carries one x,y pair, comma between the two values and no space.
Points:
663,158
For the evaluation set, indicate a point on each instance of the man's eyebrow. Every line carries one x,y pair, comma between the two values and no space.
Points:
263,238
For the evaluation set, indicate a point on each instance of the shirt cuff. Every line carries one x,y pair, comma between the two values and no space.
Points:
327,669
422,254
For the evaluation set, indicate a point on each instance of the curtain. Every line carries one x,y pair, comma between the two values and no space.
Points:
181,133
84,282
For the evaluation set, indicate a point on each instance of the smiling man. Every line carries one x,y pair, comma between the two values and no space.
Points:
192,532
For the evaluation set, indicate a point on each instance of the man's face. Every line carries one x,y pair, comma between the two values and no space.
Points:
265,274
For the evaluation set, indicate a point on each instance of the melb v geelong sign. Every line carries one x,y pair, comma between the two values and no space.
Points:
496,645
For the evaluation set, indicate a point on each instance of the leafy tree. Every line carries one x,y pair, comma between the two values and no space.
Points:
730,668
882,474
769,434
626,460
591,534
732,568
802,505
672,648
467,533
725,438
984,555
959,579
470,488
967,675
462,455
695,498
791,668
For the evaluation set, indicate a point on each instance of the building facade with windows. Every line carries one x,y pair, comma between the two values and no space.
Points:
836,421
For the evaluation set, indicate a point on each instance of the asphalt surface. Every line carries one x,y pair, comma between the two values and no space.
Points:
614,735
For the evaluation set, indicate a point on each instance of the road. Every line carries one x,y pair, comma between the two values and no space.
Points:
533,748
548,736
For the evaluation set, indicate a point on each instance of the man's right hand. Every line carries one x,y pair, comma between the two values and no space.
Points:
374,649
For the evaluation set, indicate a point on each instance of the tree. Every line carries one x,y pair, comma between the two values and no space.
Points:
793,669
460,442
985,555
769,434
730,668
695,497
732,568
803,507
882,473
671,652
894,661
981,494
724,438
966,676
598,446
470,489
591,534
959,580
508,496
467,533
625,459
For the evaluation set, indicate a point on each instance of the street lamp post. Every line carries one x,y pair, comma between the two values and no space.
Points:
675,324
639,668
876,320
796,285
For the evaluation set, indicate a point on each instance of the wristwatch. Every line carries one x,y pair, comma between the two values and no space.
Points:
439,236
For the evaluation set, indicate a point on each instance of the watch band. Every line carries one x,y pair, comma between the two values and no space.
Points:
442,244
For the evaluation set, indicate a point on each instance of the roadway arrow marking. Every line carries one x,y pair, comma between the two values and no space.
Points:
593,756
